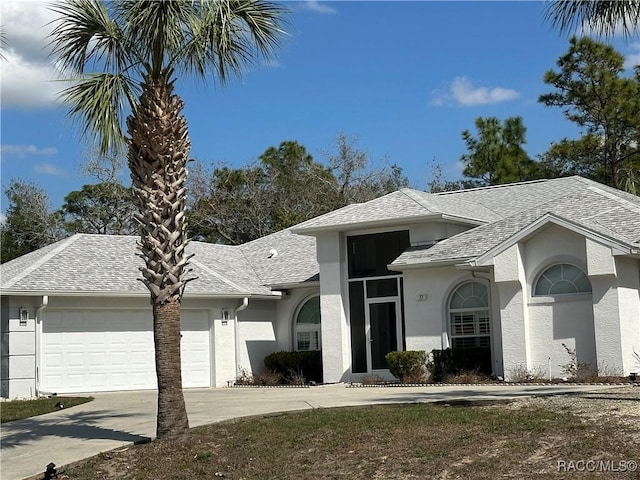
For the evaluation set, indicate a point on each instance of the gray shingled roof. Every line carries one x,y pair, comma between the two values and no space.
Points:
602,210
283,258
108,264
401,207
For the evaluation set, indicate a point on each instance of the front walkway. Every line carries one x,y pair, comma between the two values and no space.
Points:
120,418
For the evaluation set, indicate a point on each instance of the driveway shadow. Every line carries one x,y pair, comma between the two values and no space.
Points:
83,425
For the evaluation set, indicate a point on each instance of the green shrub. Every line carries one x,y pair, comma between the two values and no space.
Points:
293,366
455,361
407,365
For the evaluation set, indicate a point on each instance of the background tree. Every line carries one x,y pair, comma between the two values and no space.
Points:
603,17
439,183
127,56
496,154
285,187
590,89
105,167
29,224
102,208
300,187
357,179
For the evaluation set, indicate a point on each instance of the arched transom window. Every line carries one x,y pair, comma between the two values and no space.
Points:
469,318
307,325
562,279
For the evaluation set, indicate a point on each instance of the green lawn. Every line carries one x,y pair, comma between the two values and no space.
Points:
19,409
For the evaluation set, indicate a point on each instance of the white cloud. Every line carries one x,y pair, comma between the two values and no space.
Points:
28,75
462,92
632,58
48,169
3,218
316,6
22,151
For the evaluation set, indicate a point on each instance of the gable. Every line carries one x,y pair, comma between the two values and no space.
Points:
589,210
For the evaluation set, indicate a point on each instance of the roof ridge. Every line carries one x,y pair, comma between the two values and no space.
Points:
250,263
613,196
495,187
41,261
424,198
423,202
218,275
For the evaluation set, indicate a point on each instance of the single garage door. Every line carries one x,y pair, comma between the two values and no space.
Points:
107,350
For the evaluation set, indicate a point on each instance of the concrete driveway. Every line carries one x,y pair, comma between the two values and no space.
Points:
120,418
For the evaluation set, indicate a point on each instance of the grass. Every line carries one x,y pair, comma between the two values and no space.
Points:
383,442
19,409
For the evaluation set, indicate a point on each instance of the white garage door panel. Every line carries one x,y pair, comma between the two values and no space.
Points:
104,350
196,359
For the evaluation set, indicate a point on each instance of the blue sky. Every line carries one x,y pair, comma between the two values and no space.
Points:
405,78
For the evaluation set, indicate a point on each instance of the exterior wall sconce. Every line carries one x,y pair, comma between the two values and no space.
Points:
225,316
24,316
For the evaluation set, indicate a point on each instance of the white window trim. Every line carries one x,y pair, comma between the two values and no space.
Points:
306,327
476,311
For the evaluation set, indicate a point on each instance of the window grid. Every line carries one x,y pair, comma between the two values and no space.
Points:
307,326
470,323
562,279
308,340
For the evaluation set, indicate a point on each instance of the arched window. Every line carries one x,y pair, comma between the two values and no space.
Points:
307,325
562,279
469,316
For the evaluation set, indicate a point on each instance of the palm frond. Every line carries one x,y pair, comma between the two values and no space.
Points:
129,40
599,16
231,35
160,28
86,36
3,43
98,101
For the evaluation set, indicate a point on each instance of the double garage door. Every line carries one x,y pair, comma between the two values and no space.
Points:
107,350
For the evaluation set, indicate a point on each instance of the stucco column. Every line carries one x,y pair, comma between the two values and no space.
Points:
21,353
608,316
629,300
511,284
336,345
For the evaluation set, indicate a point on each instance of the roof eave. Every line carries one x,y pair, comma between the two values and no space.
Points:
289,286
343,227
450,262
129,294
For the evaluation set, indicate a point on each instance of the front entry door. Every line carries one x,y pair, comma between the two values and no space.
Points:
382,330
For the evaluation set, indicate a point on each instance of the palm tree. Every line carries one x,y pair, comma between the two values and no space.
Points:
3,43
125,56
603,17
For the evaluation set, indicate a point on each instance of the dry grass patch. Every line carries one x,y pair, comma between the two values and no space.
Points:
521,440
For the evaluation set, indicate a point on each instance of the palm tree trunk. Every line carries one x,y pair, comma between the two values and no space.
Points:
158,153
172,422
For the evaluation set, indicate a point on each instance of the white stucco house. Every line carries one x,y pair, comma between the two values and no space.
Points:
520,269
